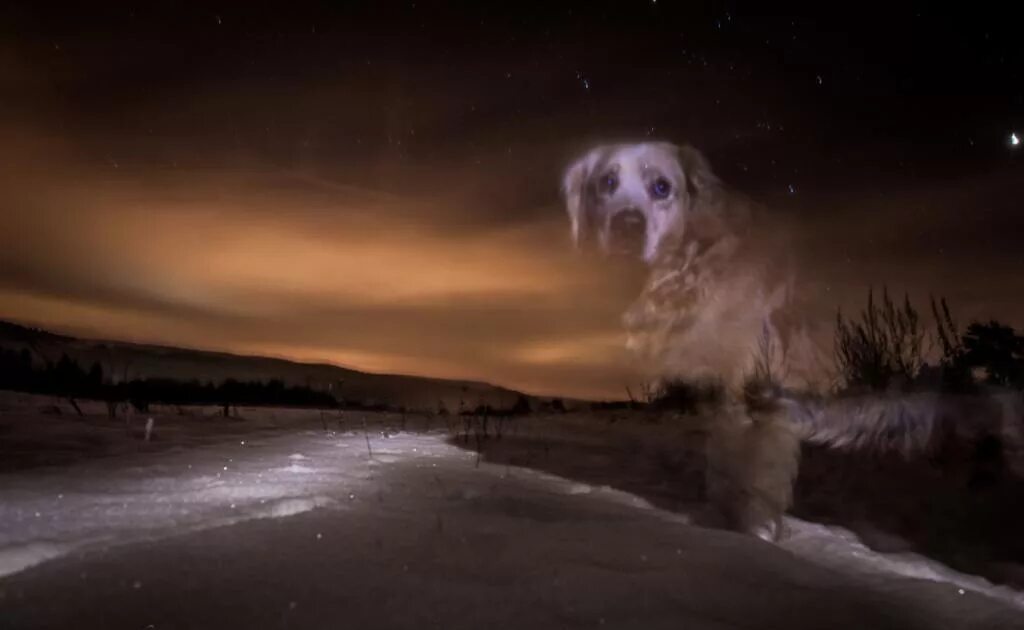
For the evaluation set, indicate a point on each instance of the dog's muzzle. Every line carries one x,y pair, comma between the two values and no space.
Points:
626,232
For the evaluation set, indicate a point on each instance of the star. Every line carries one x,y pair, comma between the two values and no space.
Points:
1014,140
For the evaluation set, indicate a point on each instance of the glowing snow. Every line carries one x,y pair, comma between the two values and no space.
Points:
169,493
18,557
155,495
841,549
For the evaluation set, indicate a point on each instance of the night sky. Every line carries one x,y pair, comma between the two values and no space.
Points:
378,187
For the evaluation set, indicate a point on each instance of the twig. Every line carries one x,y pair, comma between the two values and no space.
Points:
366,434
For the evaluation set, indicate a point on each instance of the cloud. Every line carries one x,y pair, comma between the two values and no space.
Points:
295,265
397,218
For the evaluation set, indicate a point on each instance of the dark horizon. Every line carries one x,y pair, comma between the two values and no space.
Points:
378,187
69,335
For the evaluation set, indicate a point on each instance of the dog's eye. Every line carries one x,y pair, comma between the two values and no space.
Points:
609,183
661,188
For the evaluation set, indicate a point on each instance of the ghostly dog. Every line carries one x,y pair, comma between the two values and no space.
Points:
720,303
719,300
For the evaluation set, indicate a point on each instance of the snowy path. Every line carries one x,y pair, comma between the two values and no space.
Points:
422,536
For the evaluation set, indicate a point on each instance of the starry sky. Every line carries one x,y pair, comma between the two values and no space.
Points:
377,185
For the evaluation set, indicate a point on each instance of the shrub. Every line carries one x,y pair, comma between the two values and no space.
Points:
686,396
885,347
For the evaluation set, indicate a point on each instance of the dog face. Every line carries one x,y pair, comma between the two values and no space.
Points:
632,199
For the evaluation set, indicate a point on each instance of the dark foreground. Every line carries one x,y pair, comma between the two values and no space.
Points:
423,534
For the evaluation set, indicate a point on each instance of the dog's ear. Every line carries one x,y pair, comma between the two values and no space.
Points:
700,179
573,190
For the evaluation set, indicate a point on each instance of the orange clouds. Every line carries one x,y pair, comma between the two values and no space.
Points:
269,261
278,263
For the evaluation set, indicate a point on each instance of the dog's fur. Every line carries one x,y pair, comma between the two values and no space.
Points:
721,276
719,302
717,285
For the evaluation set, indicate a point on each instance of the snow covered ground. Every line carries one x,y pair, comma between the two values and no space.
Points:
314,529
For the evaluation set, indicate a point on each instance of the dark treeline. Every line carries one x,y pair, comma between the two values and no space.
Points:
67,379
521,407
884,348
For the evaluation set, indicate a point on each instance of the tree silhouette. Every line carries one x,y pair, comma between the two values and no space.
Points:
955,370
996,348
522,406
884,347
67,379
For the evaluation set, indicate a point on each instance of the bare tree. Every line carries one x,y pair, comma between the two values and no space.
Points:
906,337
956,373
648,392
762,386
947,332
769,358
884,346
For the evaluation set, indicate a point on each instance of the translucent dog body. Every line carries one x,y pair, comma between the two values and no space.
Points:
719,303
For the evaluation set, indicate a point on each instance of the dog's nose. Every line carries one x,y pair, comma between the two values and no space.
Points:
628,221
628,228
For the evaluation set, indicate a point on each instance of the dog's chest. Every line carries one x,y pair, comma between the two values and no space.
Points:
702,311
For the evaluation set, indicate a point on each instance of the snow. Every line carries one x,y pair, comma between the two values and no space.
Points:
841,549
43,515
310,522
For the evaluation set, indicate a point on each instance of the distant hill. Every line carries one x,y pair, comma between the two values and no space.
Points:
130,361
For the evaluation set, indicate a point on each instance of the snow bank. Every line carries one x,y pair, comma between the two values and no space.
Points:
46,515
